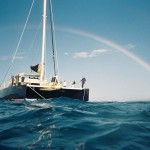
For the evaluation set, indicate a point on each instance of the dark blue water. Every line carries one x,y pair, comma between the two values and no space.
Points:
65,124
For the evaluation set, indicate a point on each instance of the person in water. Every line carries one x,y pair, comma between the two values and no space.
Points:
83,80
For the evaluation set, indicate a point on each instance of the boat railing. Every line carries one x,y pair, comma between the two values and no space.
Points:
69,84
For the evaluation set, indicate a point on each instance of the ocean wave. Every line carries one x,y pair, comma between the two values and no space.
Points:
66,124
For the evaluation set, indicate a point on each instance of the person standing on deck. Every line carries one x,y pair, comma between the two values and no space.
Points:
64,84
73,84
83,80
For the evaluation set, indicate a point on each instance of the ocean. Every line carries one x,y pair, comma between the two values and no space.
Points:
66,124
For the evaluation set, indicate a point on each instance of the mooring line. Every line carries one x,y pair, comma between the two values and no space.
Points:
36,92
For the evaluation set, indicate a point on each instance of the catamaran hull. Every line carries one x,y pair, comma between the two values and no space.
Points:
23,91
81,94
13,92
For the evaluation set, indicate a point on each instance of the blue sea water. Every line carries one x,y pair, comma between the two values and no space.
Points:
66,124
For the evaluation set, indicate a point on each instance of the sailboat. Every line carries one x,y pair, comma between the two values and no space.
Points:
35,86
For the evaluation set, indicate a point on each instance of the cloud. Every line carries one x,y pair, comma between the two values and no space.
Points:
4,58
93,53
19,56
130,46
66,53
81,55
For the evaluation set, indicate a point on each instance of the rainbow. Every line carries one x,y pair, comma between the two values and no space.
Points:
109,43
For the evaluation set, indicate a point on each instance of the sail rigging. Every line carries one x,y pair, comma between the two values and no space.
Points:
24,85
52,36
18,45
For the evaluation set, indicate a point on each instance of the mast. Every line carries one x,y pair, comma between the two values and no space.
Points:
43,42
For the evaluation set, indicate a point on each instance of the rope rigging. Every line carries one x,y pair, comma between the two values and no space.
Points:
54,50
31,47
18,45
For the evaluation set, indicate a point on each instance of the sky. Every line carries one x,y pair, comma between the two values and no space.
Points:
106,41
